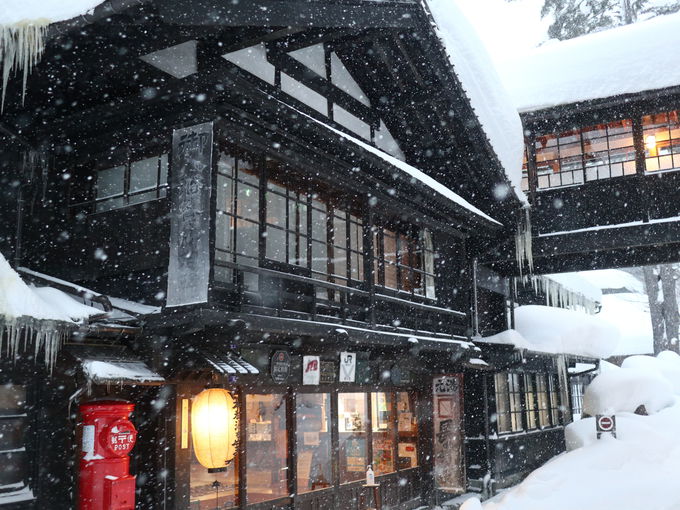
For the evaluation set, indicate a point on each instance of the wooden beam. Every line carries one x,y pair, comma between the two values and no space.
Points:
293,13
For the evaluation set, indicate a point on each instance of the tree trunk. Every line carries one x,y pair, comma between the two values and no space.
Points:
655,308
670,306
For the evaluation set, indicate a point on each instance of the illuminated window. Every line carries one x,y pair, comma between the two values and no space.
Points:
407,429
313,441
266,447
543,401
661,136
509,407
530,401
555,404
352,435
585,154
383,433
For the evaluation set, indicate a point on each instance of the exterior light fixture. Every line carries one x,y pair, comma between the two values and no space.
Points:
650,143
214,428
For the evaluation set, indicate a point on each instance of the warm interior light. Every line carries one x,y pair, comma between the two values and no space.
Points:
214,428
650,143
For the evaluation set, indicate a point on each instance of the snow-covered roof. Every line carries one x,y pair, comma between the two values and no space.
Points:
613,279
624,60
558,331
416,174
18,300
16,11
480,81
575,282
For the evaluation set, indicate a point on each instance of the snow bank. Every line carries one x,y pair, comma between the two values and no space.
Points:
632,472
623,60
480,81
625,390
556,330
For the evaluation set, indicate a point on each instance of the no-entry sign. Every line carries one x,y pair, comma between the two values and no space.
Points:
605,423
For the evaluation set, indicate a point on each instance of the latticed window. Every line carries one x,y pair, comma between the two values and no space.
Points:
585,154
661,134
509,407
555,404
544,419
530,401
132,181
13,423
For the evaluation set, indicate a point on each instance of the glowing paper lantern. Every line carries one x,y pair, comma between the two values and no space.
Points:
214,428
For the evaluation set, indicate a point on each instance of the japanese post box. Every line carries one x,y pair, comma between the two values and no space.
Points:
108,437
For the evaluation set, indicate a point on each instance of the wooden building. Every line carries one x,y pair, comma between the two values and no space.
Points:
282,192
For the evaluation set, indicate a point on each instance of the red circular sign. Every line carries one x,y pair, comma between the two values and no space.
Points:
119,437
606,423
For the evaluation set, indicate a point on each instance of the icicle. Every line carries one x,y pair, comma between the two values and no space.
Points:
21,46
523,248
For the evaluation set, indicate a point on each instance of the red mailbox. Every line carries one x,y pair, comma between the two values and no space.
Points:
108,437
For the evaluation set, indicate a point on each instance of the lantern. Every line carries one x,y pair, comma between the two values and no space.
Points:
214,428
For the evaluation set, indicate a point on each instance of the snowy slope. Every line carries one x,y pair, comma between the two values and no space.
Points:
633,472
480,81
634,58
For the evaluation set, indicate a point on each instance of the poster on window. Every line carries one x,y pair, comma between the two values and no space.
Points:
348,366
448,432
190,188
311,370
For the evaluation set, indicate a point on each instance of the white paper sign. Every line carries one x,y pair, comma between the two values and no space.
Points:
88,439
348,366
311,370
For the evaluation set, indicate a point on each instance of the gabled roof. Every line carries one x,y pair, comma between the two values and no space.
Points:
634,58
490,101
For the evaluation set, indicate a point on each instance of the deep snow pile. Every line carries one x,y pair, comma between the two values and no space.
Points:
635,471
558,331
480,81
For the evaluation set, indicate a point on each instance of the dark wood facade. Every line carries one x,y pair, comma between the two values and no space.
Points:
396,286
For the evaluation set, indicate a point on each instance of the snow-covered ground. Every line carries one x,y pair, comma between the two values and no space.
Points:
635,471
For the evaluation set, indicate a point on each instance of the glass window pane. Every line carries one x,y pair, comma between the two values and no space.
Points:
225,198
276,205
248,202
383,437
352,417
276,244
164,170
318,223
110,182
247,237
143,174
407,427
266,448
12,399
542,394
530,401
502,403
313,441
319,257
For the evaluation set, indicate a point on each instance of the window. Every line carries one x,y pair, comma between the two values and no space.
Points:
237,232
585,154
576,399
383,432
661,135
509,408
404,261
286,239
543,401
266,447
530,401
132,182
13,423
352,435
407,428
313,441
553,392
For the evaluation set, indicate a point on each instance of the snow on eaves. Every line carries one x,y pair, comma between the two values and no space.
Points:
26,11
576,283
416,174
558,331
492,104
624,60
18,300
